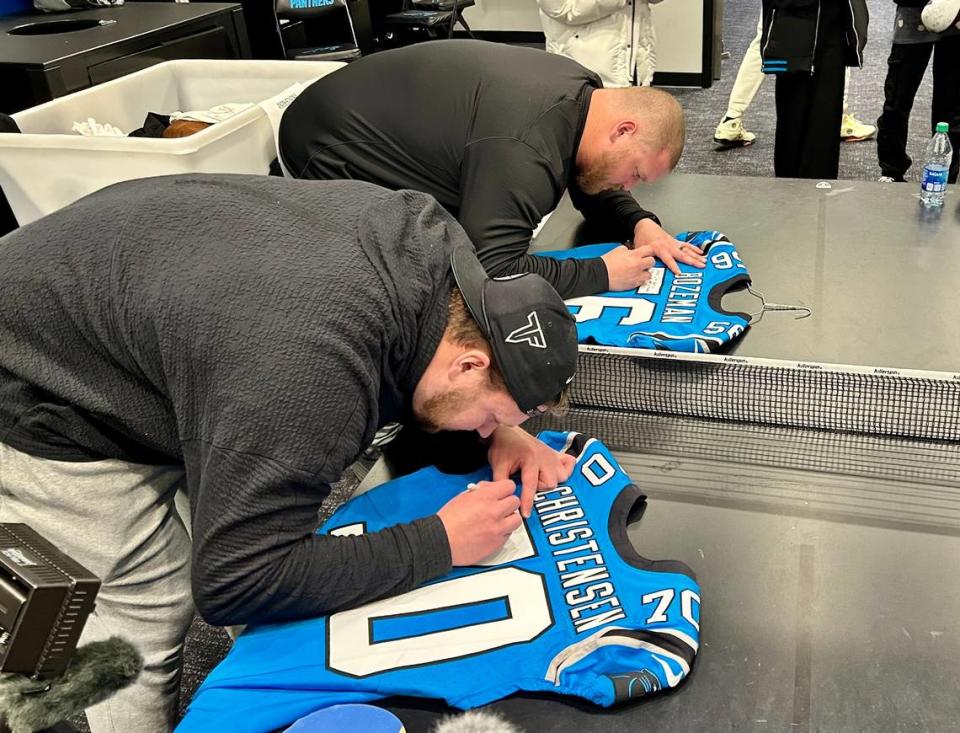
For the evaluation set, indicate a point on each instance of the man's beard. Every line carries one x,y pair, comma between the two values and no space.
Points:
594,178
439,409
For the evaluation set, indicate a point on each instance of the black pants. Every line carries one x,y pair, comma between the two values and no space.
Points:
809,111
905,70
7,220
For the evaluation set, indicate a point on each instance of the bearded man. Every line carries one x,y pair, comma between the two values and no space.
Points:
236,341
496,134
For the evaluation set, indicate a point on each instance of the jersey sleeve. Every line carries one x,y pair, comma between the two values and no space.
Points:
624,664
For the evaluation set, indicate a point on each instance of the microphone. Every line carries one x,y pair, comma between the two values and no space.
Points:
96,671
475,721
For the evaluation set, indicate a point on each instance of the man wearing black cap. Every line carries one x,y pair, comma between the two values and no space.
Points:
242,338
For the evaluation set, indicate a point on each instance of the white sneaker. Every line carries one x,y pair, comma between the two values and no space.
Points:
853,130
730,134
886,179
938,15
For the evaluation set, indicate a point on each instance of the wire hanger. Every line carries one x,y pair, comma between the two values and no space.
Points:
755,318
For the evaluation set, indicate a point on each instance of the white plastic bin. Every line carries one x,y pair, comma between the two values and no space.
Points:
49,166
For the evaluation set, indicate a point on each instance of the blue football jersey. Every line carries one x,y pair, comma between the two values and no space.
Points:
567,606
670,312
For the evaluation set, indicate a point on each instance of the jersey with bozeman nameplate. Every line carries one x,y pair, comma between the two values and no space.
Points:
567,606
670,312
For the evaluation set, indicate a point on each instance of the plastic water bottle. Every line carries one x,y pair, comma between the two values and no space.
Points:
935,168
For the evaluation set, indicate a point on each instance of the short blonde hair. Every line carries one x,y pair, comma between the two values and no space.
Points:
659,117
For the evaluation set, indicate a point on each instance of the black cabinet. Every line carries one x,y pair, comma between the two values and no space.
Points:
43,57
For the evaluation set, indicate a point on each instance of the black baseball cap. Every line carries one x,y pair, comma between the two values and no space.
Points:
531,332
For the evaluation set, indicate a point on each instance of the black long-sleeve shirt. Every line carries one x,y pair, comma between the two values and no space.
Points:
491,131
254,329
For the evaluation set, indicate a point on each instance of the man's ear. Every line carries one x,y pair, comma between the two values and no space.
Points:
467,363
623,127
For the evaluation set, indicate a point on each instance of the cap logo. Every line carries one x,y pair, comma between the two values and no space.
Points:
530,333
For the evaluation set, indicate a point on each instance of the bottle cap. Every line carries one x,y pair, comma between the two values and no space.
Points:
943,127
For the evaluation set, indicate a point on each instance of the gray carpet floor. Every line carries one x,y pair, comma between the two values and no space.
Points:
704,108
858,161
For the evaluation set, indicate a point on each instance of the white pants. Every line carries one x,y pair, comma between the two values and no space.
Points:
750,77
125,523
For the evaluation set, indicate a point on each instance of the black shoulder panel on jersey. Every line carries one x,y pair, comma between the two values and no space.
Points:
627,508
576,446
720,289
668,643
690,236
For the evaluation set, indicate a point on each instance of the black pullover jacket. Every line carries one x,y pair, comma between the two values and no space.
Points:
489,130
255,330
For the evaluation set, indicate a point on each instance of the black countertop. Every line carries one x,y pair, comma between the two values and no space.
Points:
132,21
880,273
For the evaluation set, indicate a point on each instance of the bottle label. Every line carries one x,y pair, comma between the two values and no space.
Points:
934,179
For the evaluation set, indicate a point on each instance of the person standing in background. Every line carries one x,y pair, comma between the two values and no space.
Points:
808,44
914,41
731,133
613,38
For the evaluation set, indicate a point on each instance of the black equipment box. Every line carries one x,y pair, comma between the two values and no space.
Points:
45,598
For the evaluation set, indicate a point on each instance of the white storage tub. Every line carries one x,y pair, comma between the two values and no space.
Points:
49,166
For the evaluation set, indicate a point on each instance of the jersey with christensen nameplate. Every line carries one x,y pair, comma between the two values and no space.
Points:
567,606
670,312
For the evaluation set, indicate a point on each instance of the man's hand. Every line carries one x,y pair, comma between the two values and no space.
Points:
628,268
648,235
479,521
540,467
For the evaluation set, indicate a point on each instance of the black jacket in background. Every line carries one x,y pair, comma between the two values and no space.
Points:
256,330
793,28
490,130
